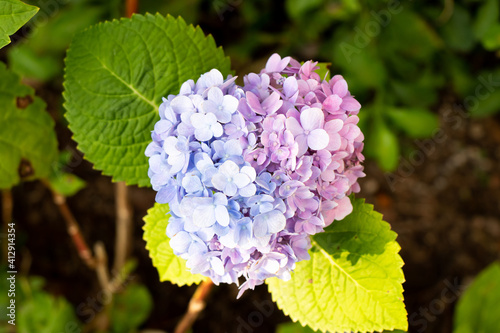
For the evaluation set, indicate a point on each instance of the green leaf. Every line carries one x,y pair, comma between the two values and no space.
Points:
55,35
130,308
27,133
27,63
457,32
363,67
324,70
13,15
40,55
459,75
487,16
488,107
420,39
170,267
63,182
417,123
66,184
477,310
421,91
116,74
491,39
352,281
44,313
298,328
383,145
297,9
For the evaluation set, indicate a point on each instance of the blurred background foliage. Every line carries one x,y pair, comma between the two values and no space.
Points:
402,60
399,57
39,311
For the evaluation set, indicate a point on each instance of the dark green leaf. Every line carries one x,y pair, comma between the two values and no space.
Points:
298,9
457,32
489,106
130,308
486,17
116,74
491,39
477,310
13,15
383,145
44,313
417,123
28,144
25,62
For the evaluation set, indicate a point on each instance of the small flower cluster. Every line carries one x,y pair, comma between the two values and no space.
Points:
251,172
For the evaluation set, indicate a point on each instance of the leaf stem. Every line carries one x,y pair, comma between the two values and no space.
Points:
73,228
447,12
123,226
101,265
131,7
196,305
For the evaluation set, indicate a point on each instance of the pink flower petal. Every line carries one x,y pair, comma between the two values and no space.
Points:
332,103
312,118
340,88
333,126
302,142
276,64
293,126
334,142
349,103
254,103
318,139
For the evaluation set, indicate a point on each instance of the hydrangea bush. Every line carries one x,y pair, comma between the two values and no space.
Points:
250,172
254,182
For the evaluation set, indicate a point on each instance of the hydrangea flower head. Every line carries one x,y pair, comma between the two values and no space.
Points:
251,172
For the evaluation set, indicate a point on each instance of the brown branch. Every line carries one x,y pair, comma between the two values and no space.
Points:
123,227
101,267
7,206
447,12
73,228
196,305
131,7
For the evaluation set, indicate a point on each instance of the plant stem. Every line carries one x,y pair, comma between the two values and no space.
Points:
101,266
196,305
123,226
131,7
73,228
447,12
7,205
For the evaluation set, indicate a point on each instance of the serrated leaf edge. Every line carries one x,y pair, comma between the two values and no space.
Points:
96,166
276,299
148,248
